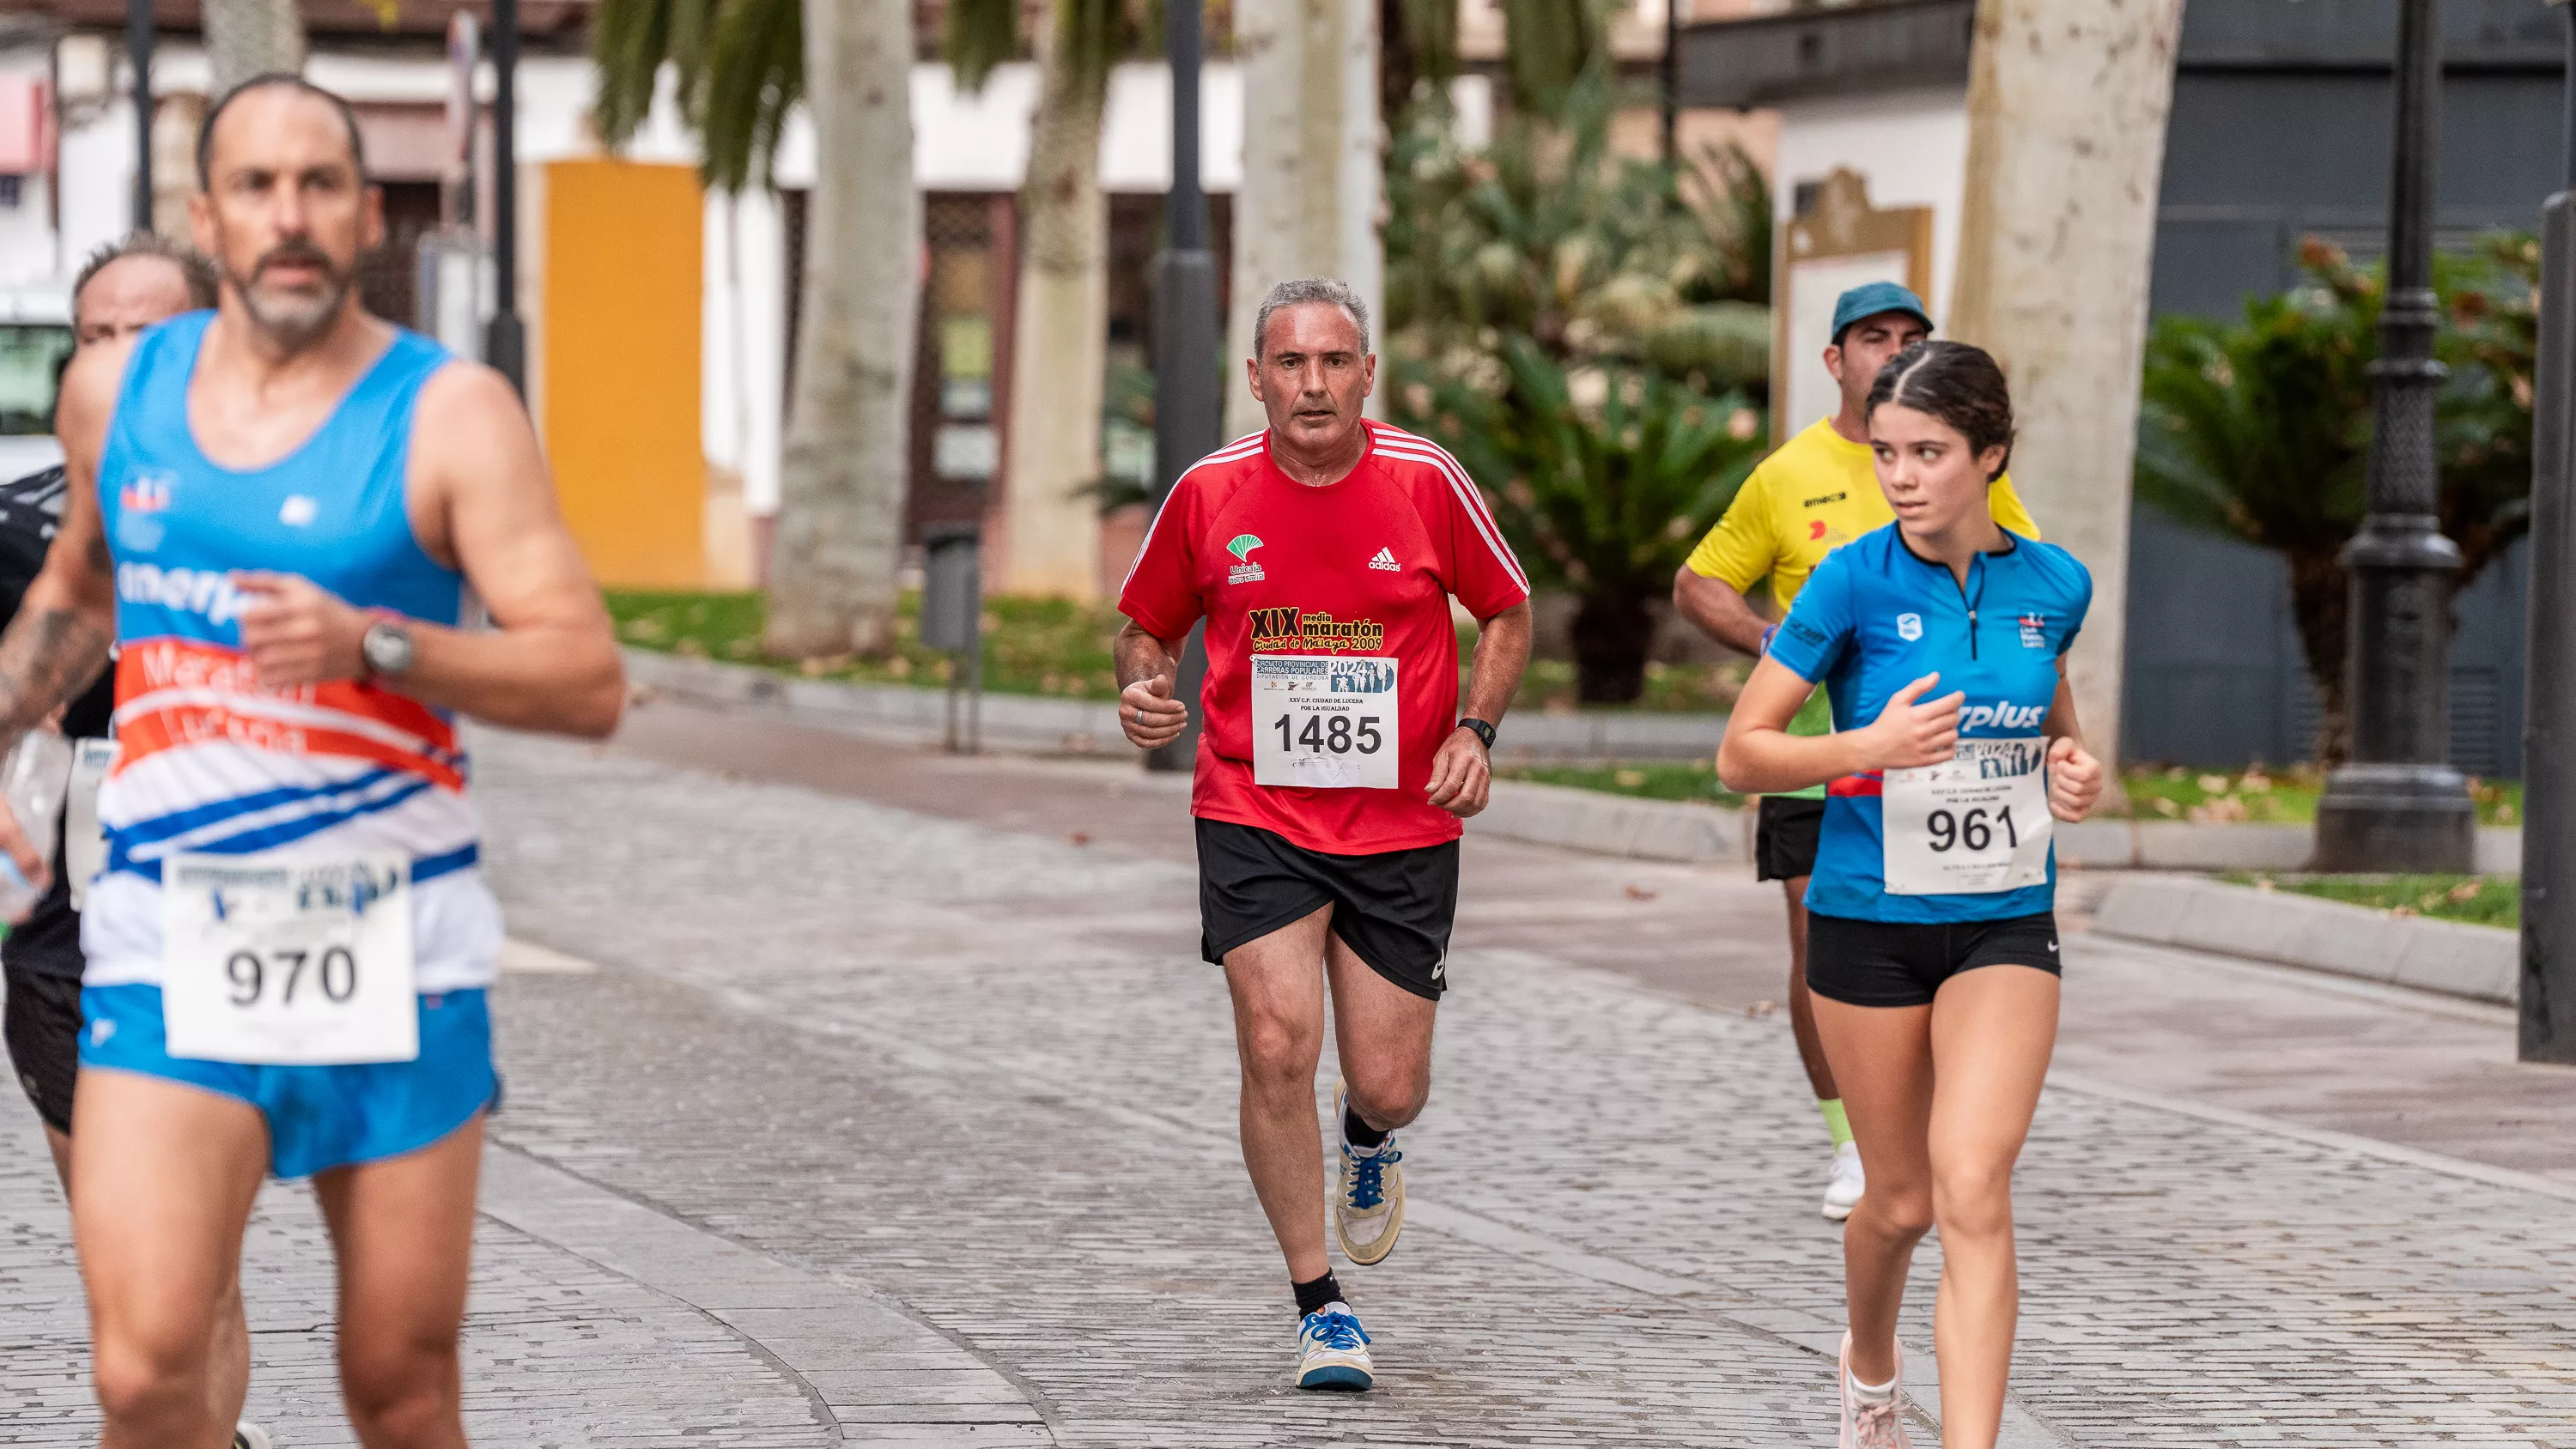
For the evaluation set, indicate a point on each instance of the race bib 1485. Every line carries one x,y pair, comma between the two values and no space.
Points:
1324,721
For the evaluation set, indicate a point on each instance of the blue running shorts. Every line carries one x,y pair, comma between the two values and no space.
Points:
318,1117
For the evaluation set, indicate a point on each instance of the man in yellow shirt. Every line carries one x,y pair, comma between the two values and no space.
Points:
1816,492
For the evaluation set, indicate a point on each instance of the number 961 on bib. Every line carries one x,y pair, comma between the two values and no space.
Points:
1324,722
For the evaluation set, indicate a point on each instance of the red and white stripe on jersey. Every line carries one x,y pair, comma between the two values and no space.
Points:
1396,443
1243,447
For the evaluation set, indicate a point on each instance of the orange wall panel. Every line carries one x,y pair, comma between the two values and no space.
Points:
624,279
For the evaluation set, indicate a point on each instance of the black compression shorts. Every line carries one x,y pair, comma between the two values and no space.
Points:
1904,963
1393,909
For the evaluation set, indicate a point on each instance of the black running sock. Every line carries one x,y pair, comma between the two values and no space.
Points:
1357,1132
1313,1296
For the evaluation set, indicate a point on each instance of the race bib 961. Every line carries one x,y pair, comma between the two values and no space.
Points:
1976,825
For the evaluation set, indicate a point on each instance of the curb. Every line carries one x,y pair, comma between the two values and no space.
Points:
1081,726
1607,824
2478,962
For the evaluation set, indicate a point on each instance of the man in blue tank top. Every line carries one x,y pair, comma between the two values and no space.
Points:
274,511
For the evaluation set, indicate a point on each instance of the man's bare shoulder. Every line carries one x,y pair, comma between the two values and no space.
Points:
467,420
87,400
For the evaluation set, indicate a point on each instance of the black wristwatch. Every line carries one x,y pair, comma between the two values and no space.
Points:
1481,730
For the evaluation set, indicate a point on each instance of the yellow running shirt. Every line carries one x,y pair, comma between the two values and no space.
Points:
1817,492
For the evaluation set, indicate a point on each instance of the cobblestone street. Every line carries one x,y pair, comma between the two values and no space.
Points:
915,1126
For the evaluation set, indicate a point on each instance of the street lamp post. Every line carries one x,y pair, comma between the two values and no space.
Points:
2548,986
138,55
2398,805
1186,413
506,342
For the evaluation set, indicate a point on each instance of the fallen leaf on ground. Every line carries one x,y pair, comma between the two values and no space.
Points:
1080,837
1762,1008
1640,893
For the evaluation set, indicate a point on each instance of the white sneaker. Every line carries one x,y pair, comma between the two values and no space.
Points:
1843,1193
1872,1426
1332,1350
247,1435
1368,1200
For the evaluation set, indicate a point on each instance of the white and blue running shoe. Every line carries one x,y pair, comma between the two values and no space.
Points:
1332,1350
1368,1201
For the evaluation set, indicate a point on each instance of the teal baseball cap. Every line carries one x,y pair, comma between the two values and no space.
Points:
1874,299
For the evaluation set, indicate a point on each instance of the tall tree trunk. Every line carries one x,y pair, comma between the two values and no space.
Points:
2321,606
2067,101
245,38
1313,198
844,468
1613,629
1051,530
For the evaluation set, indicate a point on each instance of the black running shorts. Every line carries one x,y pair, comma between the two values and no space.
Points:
1891,963
1393,909
43,1023
1784,836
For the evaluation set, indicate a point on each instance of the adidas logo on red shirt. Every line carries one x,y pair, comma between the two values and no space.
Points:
1386,560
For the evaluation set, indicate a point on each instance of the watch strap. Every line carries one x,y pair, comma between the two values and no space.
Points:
1480,729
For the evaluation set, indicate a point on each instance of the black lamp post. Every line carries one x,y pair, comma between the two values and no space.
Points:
2548,986
1186,412
138,54
2398,805
505,343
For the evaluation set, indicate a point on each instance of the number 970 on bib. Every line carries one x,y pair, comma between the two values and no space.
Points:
1324,722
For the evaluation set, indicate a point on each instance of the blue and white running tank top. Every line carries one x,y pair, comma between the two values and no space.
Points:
209,761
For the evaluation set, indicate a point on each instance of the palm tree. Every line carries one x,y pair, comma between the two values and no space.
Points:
1313,156
2259,429
1051,523
245,38
742,66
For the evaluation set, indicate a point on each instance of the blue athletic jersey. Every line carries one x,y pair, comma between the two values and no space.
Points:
1876,617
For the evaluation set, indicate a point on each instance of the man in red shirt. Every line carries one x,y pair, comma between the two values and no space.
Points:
1333,766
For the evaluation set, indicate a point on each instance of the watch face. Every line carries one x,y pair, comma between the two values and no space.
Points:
388,649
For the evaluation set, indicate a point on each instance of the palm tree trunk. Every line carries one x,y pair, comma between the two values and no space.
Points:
2321,604
246,38
844,468
2066,131
1313,196
1051,530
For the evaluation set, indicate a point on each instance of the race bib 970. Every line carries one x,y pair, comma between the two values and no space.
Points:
1324,722
286,961
1973,826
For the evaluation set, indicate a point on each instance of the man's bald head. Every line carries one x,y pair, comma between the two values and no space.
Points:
276,81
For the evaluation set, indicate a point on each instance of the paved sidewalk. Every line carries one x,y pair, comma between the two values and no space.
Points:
982,1071
914,1126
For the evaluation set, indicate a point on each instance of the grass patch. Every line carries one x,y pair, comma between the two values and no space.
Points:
2261,797
1694,781
2493,900
1031,646
1054,646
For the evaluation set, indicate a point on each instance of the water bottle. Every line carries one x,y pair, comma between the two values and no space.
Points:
34,778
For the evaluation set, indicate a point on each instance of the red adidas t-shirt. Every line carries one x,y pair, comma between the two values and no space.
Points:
1362,569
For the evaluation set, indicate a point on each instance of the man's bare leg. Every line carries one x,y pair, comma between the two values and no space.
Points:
1382,1034
404,1229
168,1174
60,1145
1278,988
1802,1008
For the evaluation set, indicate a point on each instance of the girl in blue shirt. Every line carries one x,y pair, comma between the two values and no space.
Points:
1932,945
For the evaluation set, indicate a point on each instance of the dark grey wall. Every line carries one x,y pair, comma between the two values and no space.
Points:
2280,131
2215,676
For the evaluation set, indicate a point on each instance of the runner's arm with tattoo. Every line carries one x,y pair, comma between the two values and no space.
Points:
59,640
